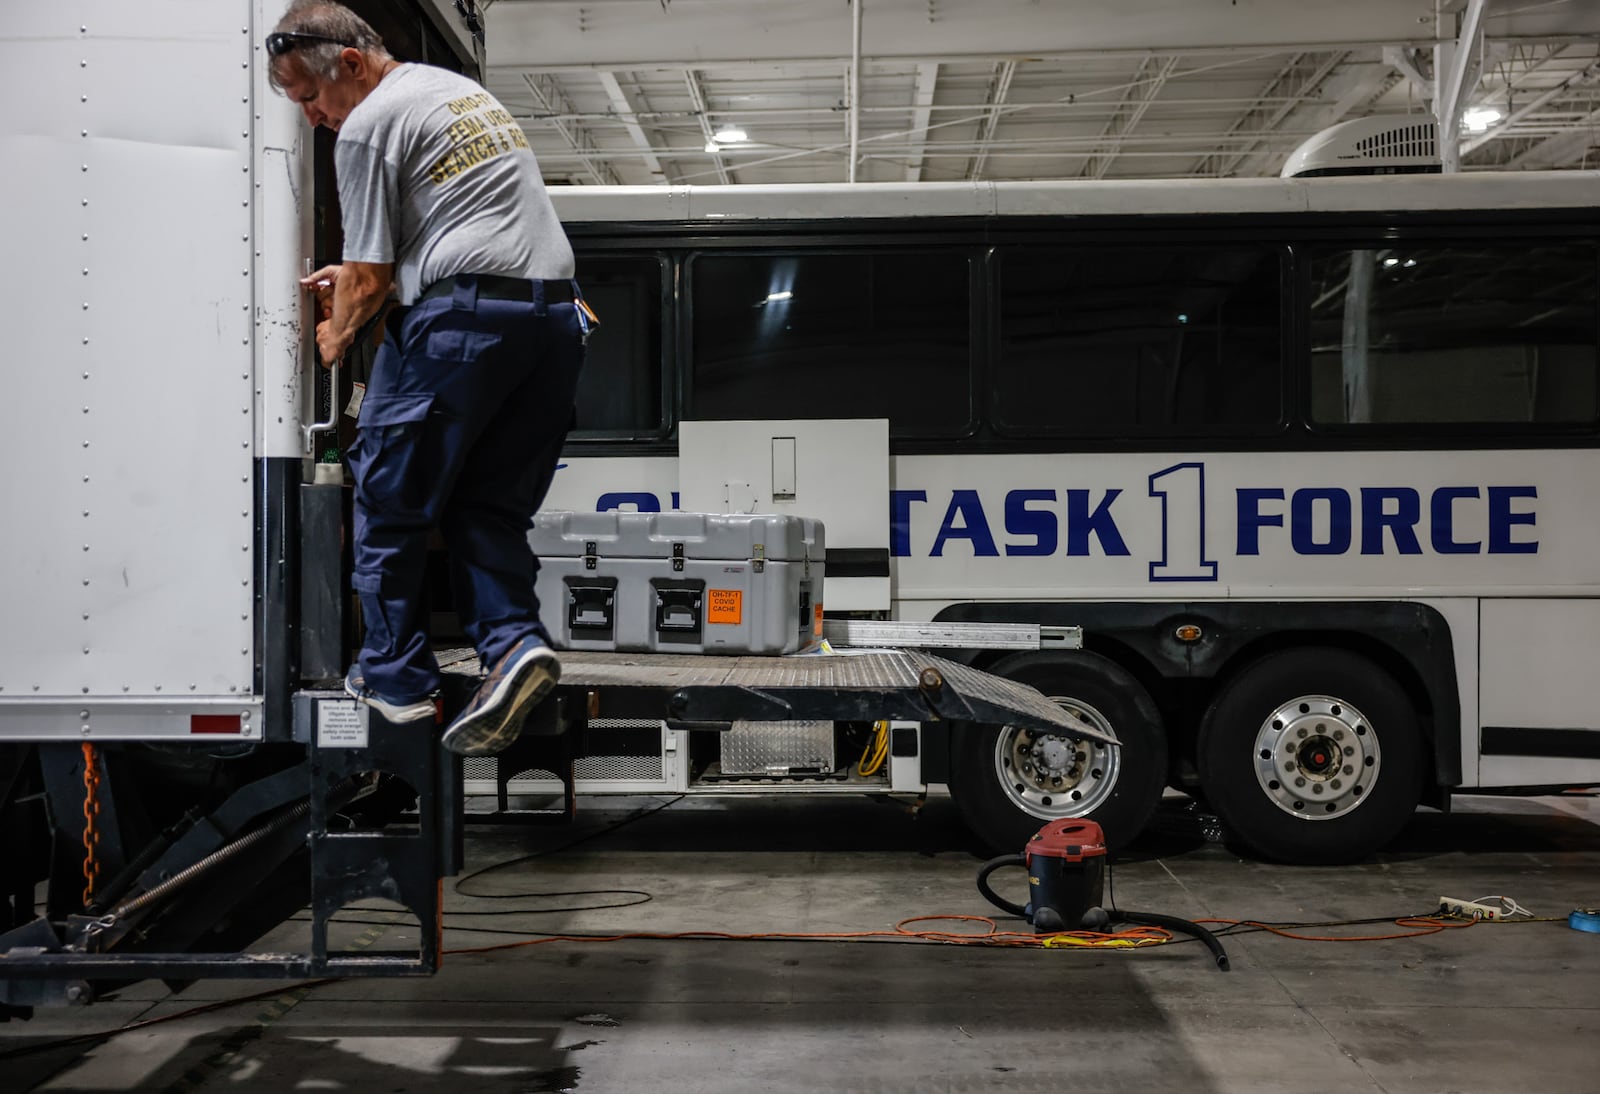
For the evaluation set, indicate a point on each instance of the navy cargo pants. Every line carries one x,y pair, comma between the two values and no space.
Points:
466,409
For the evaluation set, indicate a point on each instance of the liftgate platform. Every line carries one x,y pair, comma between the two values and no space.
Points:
194,895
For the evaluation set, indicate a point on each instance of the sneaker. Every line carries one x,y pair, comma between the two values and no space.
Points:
493,717
395,713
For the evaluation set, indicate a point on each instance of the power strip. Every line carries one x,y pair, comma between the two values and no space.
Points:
1467,909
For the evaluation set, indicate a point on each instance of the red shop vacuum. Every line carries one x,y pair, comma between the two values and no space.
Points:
1066,864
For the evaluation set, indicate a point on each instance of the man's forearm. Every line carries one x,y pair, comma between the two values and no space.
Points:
357,295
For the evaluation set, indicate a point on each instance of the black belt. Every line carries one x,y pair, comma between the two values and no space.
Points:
495,287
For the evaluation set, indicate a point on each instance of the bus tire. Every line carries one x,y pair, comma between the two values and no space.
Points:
1312,756
1008,782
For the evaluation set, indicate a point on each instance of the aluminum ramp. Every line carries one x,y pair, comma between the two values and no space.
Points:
701,691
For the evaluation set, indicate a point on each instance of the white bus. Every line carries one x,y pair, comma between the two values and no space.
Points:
1311,462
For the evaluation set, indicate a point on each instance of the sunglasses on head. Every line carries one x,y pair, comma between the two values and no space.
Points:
284,41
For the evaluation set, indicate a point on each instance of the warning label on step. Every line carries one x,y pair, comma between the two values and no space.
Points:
341,724
724,605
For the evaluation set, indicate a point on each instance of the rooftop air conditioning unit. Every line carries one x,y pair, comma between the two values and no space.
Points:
1393,145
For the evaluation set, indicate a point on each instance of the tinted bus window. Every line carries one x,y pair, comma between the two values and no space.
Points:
1465,333
833,336
1107,340
619,390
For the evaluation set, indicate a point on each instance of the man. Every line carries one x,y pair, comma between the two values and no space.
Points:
472,393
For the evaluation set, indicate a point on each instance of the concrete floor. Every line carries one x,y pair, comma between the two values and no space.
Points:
1490,1008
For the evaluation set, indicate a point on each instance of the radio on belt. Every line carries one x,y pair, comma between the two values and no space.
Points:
731,583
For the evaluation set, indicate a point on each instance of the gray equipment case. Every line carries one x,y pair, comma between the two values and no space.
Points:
679,582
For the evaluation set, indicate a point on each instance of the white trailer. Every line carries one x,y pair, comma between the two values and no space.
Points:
179,772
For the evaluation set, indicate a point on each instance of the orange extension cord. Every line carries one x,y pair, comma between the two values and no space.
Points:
991,936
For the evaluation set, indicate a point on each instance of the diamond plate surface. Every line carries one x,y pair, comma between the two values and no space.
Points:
776,748
813,686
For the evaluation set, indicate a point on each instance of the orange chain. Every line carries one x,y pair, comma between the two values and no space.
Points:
91,822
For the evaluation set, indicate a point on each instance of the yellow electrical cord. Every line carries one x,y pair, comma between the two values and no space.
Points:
876,752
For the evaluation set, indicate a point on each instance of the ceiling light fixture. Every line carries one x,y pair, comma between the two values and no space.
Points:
1480,118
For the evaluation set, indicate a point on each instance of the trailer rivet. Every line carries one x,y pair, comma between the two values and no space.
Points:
83,714
244,716
158,687
85,728
86,649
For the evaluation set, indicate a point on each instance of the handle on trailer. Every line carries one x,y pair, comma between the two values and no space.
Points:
311,429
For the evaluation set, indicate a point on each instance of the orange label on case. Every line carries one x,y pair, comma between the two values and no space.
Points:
816,627
724,605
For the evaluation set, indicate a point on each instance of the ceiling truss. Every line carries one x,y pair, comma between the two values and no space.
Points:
634,91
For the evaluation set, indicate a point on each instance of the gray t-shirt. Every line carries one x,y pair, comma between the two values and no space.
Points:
436,177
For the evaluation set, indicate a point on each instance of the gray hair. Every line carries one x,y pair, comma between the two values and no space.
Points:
328,20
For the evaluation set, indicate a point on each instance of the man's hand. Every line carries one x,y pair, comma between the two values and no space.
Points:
329,347
347,296
322,283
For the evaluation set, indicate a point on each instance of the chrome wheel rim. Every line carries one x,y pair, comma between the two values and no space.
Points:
1050,775
1317,757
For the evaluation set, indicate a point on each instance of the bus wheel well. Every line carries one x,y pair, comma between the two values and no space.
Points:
1378,652
1167,694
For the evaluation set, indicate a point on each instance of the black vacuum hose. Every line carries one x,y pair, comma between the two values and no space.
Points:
989,894
1182,926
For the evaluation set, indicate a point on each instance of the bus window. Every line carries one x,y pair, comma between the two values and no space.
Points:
833,336
1460,334
1112,340
619,390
